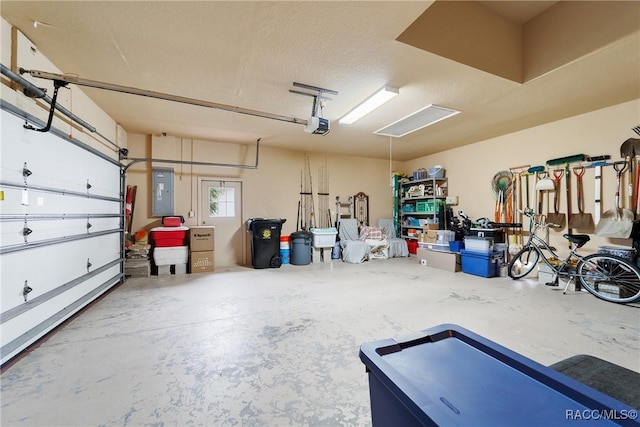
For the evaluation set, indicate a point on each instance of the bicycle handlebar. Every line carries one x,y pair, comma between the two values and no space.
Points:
543,223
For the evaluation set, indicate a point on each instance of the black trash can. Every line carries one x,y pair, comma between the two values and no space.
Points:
265,242
301,248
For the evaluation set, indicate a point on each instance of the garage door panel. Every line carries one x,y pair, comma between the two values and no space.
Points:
47,245
40,203
41,318
36,230
52,266
54,169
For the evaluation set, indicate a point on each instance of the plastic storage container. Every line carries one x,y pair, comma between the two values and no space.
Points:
496,234
324,237
171,255
436,172
628,254
430,206
447,375
456,245
301,248
265,242
478,244
445,236
164,237
481,264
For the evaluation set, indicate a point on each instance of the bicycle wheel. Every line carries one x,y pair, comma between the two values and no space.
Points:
610,278
523,262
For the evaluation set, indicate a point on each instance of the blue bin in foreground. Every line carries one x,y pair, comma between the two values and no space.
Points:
449,376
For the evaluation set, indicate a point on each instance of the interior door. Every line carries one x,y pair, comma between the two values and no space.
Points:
221,206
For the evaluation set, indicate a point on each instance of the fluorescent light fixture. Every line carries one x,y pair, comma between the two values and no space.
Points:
422,118
369,104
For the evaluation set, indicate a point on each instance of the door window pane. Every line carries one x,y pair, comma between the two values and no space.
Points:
222,202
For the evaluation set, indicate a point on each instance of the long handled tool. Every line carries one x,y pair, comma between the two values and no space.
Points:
580,221
630,151
616,222
567,175
543,184
597,162
556,217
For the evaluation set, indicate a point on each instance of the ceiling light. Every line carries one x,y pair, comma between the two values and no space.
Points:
369,104
422,118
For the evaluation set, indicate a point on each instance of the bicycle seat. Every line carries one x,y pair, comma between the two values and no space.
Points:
578,239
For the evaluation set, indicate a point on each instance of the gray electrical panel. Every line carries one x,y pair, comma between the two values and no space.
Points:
162,192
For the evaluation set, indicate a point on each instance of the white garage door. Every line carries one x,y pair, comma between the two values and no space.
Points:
61,228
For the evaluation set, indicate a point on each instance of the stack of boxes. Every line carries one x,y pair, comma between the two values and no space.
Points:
201,249
170,250
480,256
434,249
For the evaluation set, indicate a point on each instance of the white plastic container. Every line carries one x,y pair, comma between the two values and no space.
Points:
171,255
478,245
545,274
324,237
442,247
445,236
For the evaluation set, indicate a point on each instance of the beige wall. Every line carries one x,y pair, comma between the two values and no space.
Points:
470,169
270,191
19,51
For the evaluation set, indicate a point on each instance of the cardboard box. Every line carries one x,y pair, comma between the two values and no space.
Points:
201,239
449,261
430,227
429,236
201,262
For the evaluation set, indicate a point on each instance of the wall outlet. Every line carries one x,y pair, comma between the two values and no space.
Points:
192,214
452,200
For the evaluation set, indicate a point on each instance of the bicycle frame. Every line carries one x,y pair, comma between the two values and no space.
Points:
540,245
608,277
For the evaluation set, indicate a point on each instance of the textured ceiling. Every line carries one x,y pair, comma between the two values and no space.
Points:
248,54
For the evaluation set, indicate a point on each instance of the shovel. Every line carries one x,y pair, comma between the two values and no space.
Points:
580,221
555,217
616,222
630,150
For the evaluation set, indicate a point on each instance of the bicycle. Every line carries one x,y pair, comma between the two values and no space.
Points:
607,277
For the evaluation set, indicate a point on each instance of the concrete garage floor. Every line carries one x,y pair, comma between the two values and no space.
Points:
279,347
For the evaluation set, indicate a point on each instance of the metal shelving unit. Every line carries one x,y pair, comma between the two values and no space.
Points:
415,203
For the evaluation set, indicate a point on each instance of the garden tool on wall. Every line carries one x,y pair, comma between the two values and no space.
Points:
564,161
567,175
556,217
501,185
616,222
541,174
597,162
580,221
630,151
516,214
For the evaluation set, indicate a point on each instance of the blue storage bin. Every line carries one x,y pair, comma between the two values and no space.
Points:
481,263
447,375
456,245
